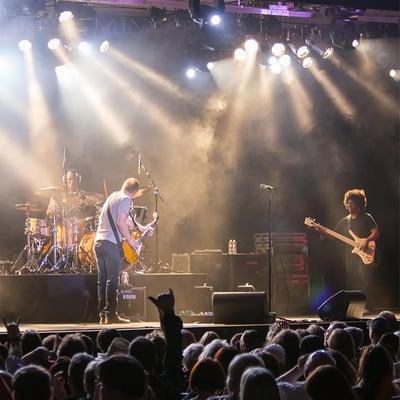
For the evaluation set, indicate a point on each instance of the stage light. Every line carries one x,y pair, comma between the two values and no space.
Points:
273,60
307,62
240,54
285,61
395,74
275,68
104,46
298,47
54,44
25,45
190,73
278,49
320,47
65,74
158,16
344,34
65,16
210,66
251,46
84,47
215,19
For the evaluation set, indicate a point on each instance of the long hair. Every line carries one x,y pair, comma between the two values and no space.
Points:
258,384
358,196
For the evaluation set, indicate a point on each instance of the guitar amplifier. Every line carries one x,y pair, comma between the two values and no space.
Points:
181,262
249,268
225,272
213,263
132,302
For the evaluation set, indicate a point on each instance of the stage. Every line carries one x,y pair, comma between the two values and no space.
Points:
134,329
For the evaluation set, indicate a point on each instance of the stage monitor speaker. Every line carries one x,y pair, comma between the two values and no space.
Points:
239,307
343,305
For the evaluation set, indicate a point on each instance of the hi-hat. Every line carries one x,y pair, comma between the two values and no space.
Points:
27,207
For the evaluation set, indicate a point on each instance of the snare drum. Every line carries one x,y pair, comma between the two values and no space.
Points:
86,253
39,227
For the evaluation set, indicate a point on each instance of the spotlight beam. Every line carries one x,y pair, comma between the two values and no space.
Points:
25,167
372,89
42,128
159,117
300,100
339,100
153,77
113,124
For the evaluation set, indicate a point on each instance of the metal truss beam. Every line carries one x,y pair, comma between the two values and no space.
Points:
385,12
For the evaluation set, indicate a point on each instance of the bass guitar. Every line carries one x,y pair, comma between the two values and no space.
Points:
367,254
131,255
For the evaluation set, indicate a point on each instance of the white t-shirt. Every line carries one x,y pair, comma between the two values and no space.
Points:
119,203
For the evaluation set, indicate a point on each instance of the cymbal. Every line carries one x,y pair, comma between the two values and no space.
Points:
87,198
141,192
50,191
27,207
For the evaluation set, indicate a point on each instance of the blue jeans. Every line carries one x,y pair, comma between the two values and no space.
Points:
108,257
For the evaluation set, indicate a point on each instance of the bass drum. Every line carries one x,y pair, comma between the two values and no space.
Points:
86,253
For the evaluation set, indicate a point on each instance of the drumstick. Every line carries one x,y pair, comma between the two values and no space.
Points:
105,188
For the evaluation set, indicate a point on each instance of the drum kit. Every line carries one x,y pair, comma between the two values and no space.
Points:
64,240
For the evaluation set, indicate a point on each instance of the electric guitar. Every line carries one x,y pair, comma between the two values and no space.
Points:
367,254
131,254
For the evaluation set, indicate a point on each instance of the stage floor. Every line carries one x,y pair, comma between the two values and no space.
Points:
141,328
47,328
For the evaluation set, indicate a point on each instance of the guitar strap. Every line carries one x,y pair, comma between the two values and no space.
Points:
114,229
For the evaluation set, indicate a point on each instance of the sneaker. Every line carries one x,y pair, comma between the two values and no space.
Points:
102,319
116,319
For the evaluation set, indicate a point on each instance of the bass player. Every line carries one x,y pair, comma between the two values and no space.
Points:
360,223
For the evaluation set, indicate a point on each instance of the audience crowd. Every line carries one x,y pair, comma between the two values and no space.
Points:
340,363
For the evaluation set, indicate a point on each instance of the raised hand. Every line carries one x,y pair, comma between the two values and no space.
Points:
13,332
165,302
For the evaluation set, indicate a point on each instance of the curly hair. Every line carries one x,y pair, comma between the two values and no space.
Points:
356,195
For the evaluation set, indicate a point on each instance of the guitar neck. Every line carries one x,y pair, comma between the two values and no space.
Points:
146,232
339,236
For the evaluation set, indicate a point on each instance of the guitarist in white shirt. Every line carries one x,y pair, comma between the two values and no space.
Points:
107,246
361,227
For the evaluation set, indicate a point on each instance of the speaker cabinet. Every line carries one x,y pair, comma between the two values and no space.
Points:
132,302
215,265
249,268
239,307
343,305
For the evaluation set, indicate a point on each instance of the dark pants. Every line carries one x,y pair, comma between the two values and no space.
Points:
108,258
360,277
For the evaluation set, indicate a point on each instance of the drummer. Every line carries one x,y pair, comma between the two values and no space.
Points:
71,182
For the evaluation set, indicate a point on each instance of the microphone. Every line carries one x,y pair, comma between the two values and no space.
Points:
139,167
264,186
64,163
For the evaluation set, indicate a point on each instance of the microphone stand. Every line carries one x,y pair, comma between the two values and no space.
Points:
271,316
157,196
65,208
